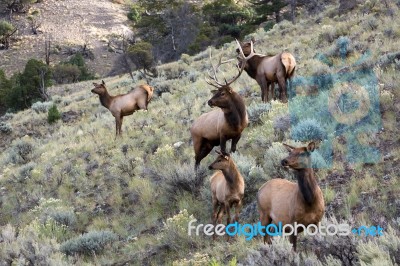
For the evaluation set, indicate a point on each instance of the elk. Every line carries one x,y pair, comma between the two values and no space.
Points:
227,188
123,104
225,123
283,201
267,70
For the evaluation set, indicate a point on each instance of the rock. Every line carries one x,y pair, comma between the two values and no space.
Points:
69,116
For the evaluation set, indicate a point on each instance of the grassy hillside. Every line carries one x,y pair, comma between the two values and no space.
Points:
72,194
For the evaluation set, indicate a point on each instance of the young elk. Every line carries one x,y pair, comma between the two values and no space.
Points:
283,201
123,104
267,70
225,123
227,188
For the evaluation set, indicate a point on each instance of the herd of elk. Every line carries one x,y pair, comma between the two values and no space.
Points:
267,70
280,200
227,188
123,104
225,123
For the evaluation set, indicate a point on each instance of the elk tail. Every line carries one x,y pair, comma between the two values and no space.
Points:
289,63
149,90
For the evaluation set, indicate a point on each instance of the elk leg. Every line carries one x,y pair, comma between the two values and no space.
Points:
282,88
262,82
238,207
202,149
222,141
265,220
120,125
215,214
221,213
228,213
215,211
273,90
293,240
117,121
234,143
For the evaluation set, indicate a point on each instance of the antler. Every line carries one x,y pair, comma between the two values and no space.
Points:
215,70
244,58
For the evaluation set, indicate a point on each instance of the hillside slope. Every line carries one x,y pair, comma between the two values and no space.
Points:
71,194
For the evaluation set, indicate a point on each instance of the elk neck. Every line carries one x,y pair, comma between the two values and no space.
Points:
231,174
105,99
235,114
252,65
307,184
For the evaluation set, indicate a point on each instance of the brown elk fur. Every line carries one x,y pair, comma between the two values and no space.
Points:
124,104
227,188
218,126
267,70
280,200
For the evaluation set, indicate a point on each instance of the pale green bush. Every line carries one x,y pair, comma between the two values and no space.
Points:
6,128
88,244
41,107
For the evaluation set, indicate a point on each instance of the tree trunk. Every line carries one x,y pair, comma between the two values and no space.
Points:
277,16
293,4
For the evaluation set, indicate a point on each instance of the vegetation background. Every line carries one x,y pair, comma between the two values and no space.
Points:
72,195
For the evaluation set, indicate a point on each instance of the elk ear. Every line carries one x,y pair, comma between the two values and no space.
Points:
95,84
230,90
311,146
253,40
102,82
288,147
214,91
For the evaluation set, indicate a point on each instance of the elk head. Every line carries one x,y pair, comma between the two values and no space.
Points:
224,91
246,48
222,161
299,158
99,88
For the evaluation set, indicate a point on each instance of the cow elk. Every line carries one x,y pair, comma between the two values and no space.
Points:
267,70
123,104
225,123
227,188
283,201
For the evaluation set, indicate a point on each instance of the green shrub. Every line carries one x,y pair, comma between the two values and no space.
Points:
88,244
134,13
272,161
6,116
20,152
54,209
256,110
278,253
25,171
53,114
66,73
5,128
307,130
41,107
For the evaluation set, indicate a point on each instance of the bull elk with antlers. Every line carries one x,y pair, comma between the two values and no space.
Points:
123,104
225,123
267,70
283,201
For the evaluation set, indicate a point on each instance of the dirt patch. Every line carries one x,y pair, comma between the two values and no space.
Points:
68,23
